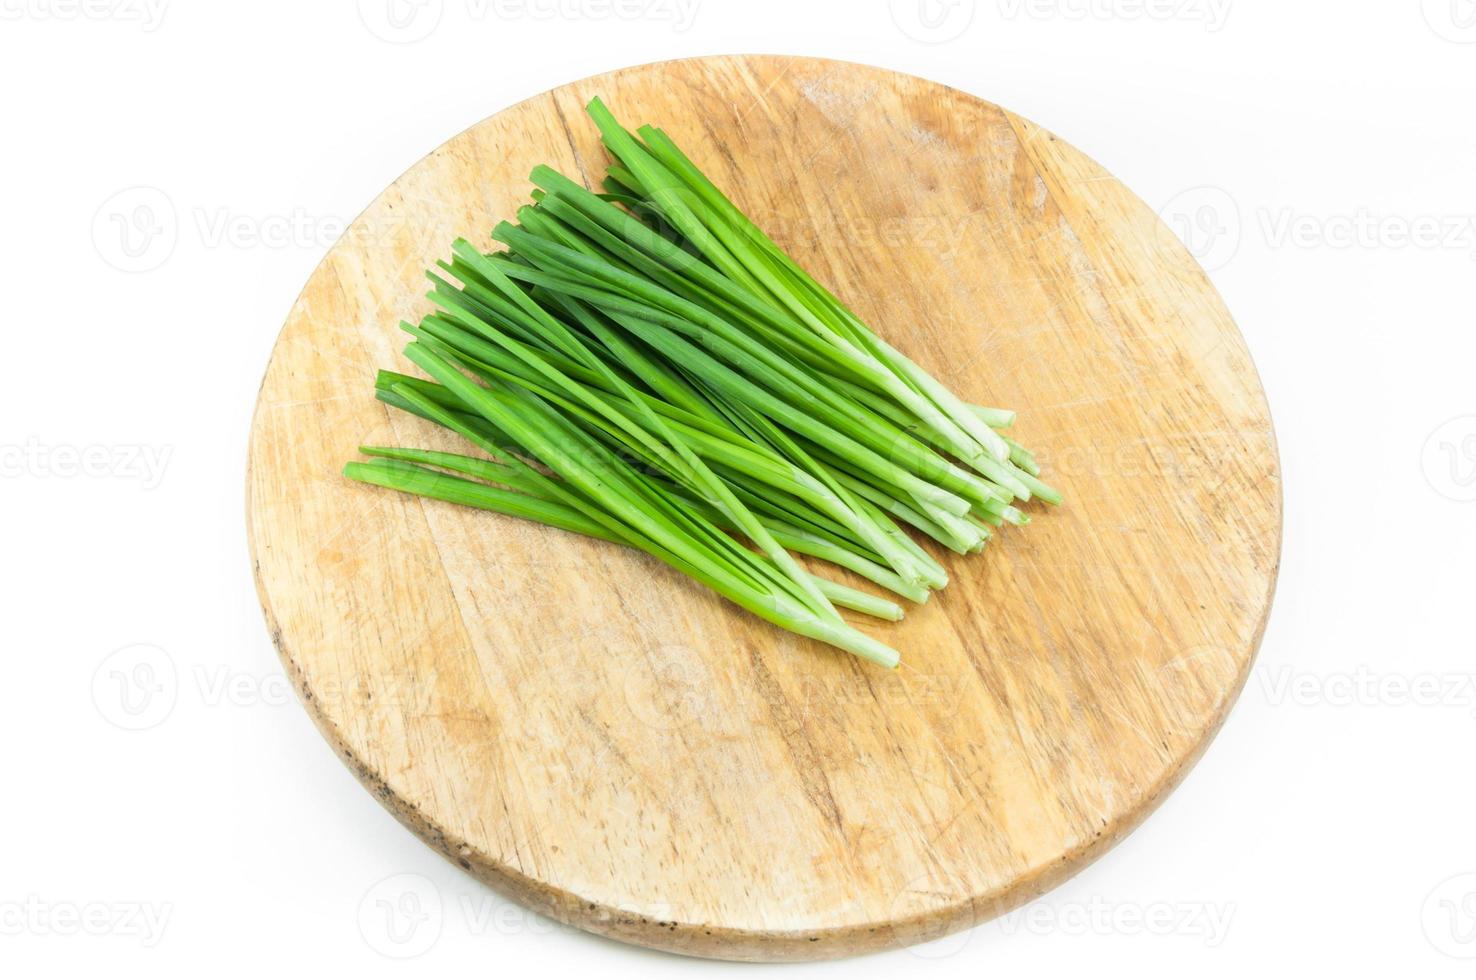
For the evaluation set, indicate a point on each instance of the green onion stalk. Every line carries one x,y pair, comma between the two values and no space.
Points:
647,367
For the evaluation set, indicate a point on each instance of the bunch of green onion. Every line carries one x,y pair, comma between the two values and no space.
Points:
647,367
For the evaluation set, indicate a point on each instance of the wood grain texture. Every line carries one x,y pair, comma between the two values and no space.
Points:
594,735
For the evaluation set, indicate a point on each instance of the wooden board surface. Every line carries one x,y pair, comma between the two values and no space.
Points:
611,744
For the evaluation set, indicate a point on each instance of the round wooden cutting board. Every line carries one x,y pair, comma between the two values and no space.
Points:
613,745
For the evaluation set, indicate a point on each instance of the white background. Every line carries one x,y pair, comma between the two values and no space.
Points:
1319,157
